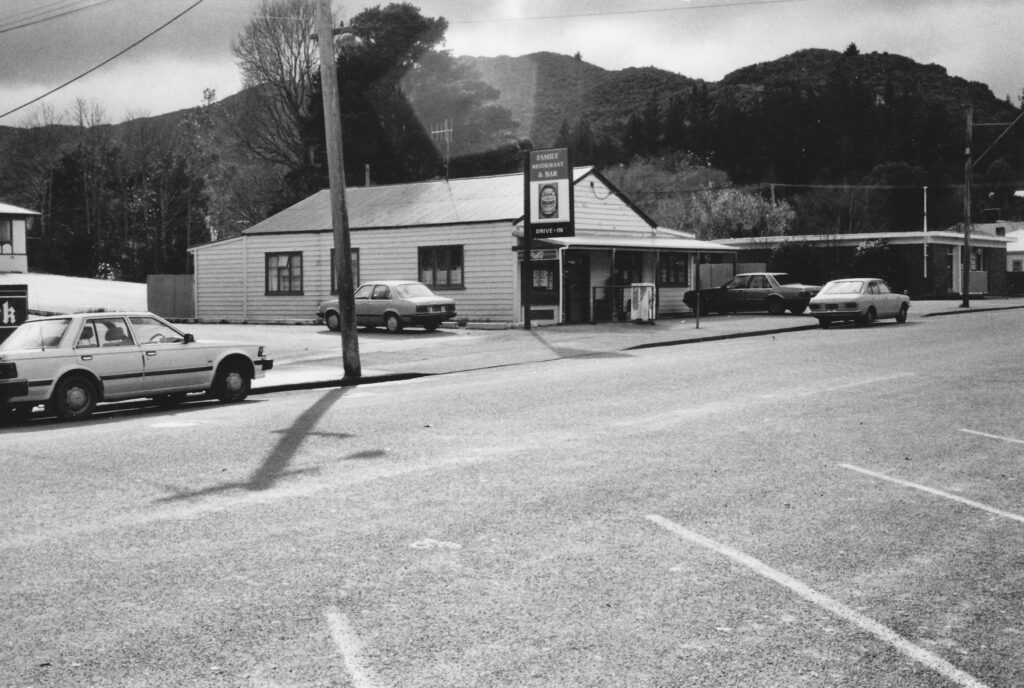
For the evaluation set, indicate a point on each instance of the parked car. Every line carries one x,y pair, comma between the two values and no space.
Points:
72,362
394,304
775,292
858,299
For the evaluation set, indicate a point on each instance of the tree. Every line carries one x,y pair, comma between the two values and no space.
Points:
279,69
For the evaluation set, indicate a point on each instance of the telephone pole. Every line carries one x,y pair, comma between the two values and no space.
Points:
965,277
336,171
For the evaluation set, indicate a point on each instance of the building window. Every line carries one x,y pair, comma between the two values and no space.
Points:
355,271
284,273
441,267
675,269
1018,265
6,236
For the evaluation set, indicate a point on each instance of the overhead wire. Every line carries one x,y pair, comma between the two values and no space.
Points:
108,60
45,14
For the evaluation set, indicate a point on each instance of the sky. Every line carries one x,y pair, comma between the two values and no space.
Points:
46,43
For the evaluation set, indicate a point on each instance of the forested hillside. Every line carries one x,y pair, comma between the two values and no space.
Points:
815,141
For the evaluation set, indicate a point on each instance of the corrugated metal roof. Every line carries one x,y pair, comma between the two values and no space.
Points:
655,242
6,209
437,202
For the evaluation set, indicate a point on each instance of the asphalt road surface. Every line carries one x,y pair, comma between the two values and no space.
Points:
819,508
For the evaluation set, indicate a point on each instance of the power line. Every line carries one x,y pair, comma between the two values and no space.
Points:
679,8
108,60
55,11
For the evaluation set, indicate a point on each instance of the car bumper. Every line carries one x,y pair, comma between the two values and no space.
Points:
430,317
262,365
13,388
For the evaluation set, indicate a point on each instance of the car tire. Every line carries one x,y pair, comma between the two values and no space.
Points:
333,321
824,324
431,326
798,310
901,317
393,323
868,319
74,397
776,306
231,384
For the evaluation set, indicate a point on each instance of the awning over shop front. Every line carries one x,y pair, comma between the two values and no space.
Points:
648,243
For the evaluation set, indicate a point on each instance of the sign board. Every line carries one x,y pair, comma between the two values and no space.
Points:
13,308
541,254
550,193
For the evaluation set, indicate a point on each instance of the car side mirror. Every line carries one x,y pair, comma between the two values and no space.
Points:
189,338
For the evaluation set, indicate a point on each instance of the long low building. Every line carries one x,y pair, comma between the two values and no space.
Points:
462,238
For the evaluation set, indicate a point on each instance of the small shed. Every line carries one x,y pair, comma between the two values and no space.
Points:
13,243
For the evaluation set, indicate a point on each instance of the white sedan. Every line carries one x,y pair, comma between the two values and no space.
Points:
72,362
858,299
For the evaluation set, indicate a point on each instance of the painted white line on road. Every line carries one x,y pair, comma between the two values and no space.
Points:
884,633
992,437
939,493
347,642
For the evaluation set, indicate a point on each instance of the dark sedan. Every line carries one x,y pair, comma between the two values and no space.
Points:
775,292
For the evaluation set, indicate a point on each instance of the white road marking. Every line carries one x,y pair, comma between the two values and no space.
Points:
992,437
884,633
939,493
350,648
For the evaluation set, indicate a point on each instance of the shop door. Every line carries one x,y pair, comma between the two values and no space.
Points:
577,288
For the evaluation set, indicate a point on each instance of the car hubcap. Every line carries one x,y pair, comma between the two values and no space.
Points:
76,399
234,382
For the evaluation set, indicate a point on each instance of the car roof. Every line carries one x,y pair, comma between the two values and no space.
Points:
390,283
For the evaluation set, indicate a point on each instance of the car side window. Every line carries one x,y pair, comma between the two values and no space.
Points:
152,331
381,291
737,283
112,332
87,338
364,291
759,282
883,288
873,288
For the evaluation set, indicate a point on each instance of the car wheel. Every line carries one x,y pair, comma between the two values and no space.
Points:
868,318
824,324
231,384
333,321
901,317
393,323
776,306
74,398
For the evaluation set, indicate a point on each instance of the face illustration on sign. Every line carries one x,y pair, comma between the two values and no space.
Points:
548,201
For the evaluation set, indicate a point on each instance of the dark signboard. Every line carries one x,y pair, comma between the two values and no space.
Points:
13,307
549,189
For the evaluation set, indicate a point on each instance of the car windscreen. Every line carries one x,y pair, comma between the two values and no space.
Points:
844,287
37,334
408,291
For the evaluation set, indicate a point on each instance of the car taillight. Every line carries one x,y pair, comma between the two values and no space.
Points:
8,370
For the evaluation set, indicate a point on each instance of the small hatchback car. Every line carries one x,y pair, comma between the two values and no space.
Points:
858,299
393,304
72,362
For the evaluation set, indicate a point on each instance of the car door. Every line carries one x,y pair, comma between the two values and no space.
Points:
379,302
887,301
105,346
169,363
363,309
733,292
756,292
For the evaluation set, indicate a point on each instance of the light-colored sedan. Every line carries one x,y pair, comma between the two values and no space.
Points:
393,304
858,299
72,362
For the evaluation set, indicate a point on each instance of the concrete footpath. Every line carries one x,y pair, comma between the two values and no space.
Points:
309,356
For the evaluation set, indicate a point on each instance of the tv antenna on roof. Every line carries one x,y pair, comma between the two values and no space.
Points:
442,133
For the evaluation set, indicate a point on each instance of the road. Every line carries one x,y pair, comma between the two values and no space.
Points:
818,508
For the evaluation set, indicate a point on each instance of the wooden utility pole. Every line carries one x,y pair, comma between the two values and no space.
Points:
336,170
968,170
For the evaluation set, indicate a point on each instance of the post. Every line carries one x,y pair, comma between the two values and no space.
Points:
336,171
966,257
924,228
696,283
528,240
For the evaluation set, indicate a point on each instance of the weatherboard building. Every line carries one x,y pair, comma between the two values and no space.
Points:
462,238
